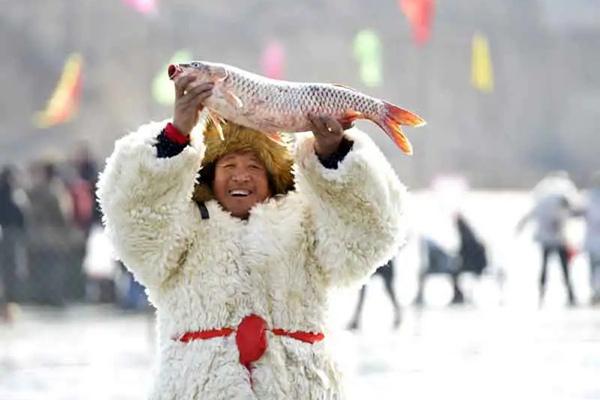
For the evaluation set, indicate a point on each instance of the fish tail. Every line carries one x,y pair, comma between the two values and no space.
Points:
393,118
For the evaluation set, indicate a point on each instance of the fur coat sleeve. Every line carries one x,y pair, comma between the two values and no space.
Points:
146,203
356,209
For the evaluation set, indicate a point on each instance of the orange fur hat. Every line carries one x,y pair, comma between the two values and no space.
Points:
276,157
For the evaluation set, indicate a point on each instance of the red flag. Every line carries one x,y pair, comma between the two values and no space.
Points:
64,102
419,14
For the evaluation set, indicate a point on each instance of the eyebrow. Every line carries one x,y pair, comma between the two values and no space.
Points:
253,157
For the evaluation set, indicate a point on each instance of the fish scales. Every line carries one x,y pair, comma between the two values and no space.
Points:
274,106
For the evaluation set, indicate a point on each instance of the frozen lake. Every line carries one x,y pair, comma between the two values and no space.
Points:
500,345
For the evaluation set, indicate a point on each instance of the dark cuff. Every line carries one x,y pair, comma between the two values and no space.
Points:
170,142
333,160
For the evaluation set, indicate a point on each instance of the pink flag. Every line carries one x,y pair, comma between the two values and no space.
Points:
272,60
142,6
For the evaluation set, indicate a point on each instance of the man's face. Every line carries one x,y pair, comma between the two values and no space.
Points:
240,182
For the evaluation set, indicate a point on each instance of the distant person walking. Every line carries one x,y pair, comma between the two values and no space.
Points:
49,234
386,271
554,196
472,256
592,236
12,225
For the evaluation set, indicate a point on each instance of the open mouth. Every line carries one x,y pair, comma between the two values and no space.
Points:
239,193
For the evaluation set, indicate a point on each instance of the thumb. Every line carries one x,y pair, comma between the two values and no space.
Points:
347,125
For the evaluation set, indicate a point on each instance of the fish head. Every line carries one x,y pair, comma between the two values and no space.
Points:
207,72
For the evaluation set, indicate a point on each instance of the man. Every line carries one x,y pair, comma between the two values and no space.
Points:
592,236
12,227
238,262
387,274
552,209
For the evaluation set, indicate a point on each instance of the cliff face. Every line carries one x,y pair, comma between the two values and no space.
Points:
543,114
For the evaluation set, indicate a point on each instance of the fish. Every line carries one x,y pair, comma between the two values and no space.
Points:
273,106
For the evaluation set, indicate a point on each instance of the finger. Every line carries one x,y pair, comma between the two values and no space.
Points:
181,82
333,125
319,126
199,98
313,124
195,88
347,125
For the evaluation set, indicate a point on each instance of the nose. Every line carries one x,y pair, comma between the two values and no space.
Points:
241,176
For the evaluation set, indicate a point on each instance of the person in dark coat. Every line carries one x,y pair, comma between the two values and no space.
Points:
386,271
12,225
472,256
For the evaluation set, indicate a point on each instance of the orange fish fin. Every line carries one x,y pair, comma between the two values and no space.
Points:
217,121
233,99
392,120
344,87
350,116
275,136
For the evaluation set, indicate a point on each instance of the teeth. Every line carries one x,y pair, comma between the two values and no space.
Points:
238,192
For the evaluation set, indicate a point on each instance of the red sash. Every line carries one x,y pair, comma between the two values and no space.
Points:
250,337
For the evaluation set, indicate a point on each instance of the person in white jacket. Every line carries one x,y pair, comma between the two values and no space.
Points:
555,196
592,236
238,241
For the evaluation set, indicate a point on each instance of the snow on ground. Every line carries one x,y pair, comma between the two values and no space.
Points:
501,345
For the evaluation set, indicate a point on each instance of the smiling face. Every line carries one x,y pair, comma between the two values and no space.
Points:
240,182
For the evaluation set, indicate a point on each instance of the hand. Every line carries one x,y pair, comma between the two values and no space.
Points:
328,134
190,93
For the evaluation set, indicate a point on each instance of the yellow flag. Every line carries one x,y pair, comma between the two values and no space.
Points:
64,102
482,73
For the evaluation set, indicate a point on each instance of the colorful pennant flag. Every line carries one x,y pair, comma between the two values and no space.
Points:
272,60
64,102
419,14
367,51
482,73
162,87
145,7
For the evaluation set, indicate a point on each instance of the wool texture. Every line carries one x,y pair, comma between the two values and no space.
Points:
333,229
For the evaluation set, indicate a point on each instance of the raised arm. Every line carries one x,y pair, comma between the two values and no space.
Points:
146,189
356,204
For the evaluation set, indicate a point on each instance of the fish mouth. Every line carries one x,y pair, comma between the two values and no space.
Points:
174,70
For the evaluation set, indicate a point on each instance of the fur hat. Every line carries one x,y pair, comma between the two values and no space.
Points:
276,157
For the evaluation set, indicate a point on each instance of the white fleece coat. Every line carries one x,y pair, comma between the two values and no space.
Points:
334,230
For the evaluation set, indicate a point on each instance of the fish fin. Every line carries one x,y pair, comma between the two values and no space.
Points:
220,74
217,120
275,136
350,116
392,119
233,99
344,87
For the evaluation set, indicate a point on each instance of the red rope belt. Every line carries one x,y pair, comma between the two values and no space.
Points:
250,337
